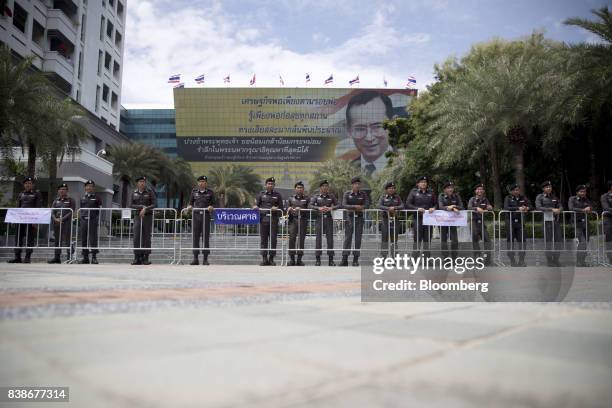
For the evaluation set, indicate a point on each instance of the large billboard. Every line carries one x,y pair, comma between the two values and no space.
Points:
285,132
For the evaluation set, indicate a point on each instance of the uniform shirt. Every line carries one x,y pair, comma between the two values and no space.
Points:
351,200
445,200
606,201
29,199
420,199
476,202
512,203
390,200
144,199
323,200
90,200
66,202
201,199
578,205
268,199
298,201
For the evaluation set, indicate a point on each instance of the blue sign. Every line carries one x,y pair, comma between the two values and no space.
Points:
236,216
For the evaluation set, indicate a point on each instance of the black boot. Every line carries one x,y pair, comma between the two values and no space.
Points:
513,261
291,260
521,261
331,261
264,260
344,261
318,260
145,260
195,260
94,260
55,260
355,260
85,259
205,260
16,259
299,261
271,261
27,257
137,260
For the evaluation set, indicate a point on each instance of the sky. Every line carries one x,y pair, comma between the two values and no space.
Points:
374,40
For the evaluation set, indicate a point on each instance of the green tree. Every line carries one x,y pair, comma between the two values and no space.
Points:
339,174
178,180
235,185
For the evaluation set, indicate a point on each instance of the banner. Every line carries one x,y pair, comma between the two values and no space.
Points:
28,216
236,216
445,218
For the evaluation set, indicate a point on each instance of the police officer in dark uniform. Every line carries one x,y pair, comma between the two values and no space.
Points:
551,206
479,204
606,208
449,200
354,202
422,199
28,198
324,203
61,217
390,203
89,218
582,207
270,203
298,223
517,206
143,201
203,200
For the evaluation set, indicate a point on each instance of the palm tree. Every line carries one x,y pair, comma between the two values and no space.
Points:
339,174
178,180
602,29
235,185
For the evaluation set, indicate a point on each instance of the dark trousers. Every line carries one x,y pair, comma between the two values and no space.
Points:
142,234
422,235
27,233
480,233
201,226
515,233
61,231
297,228
553,239
444,235
88,231
390,232
608,233
582,233
268,233
352,224
325,225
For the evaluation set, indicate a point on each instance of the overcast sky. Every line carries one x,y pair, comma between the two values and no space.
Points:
289,38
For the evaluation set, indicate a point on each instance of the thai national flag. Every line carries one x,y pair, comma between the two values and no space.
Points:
200,79
181,85
330,79
252,82
174,79
281,80
307,77
226,80
411,81
354,80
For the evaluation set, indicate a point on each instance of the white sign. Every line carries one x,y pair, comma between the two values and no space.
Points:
445,218
28,216
126,213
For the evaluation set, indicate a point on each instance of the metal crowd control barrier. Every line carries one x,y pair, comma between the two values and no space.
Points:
226,239
605,238
100,230
47,236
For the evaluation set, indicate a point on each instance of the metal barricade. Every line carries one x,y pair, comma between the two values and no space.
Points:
605,239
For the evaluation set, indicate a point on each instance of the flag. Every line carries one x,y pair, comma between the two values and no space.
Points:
354,81
200,79
411,81
330,79
281,80
252,82
307,77
385,82
181,85
226,80
174,79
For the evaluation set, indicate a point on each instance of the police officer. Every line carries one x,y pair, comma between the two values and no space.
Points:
354,202
421,199
324,203
449,200
550,205
28,198
390,203
517,206
582,207
298,223
203,200
61,218
143,201
89,218
606,208
479,204
270,203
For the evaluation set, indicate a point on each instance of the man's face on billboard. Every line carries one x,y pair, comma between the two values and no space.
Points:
366,129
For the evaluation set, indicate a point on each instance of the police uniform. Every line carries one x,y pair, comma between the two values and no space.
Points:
353,221
324,223
515,223
89,219
606,208
389,222
200,200
445,201
421,199
578,205
298,225
61,216
143,226
552,229
268,220
479,227
27,232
